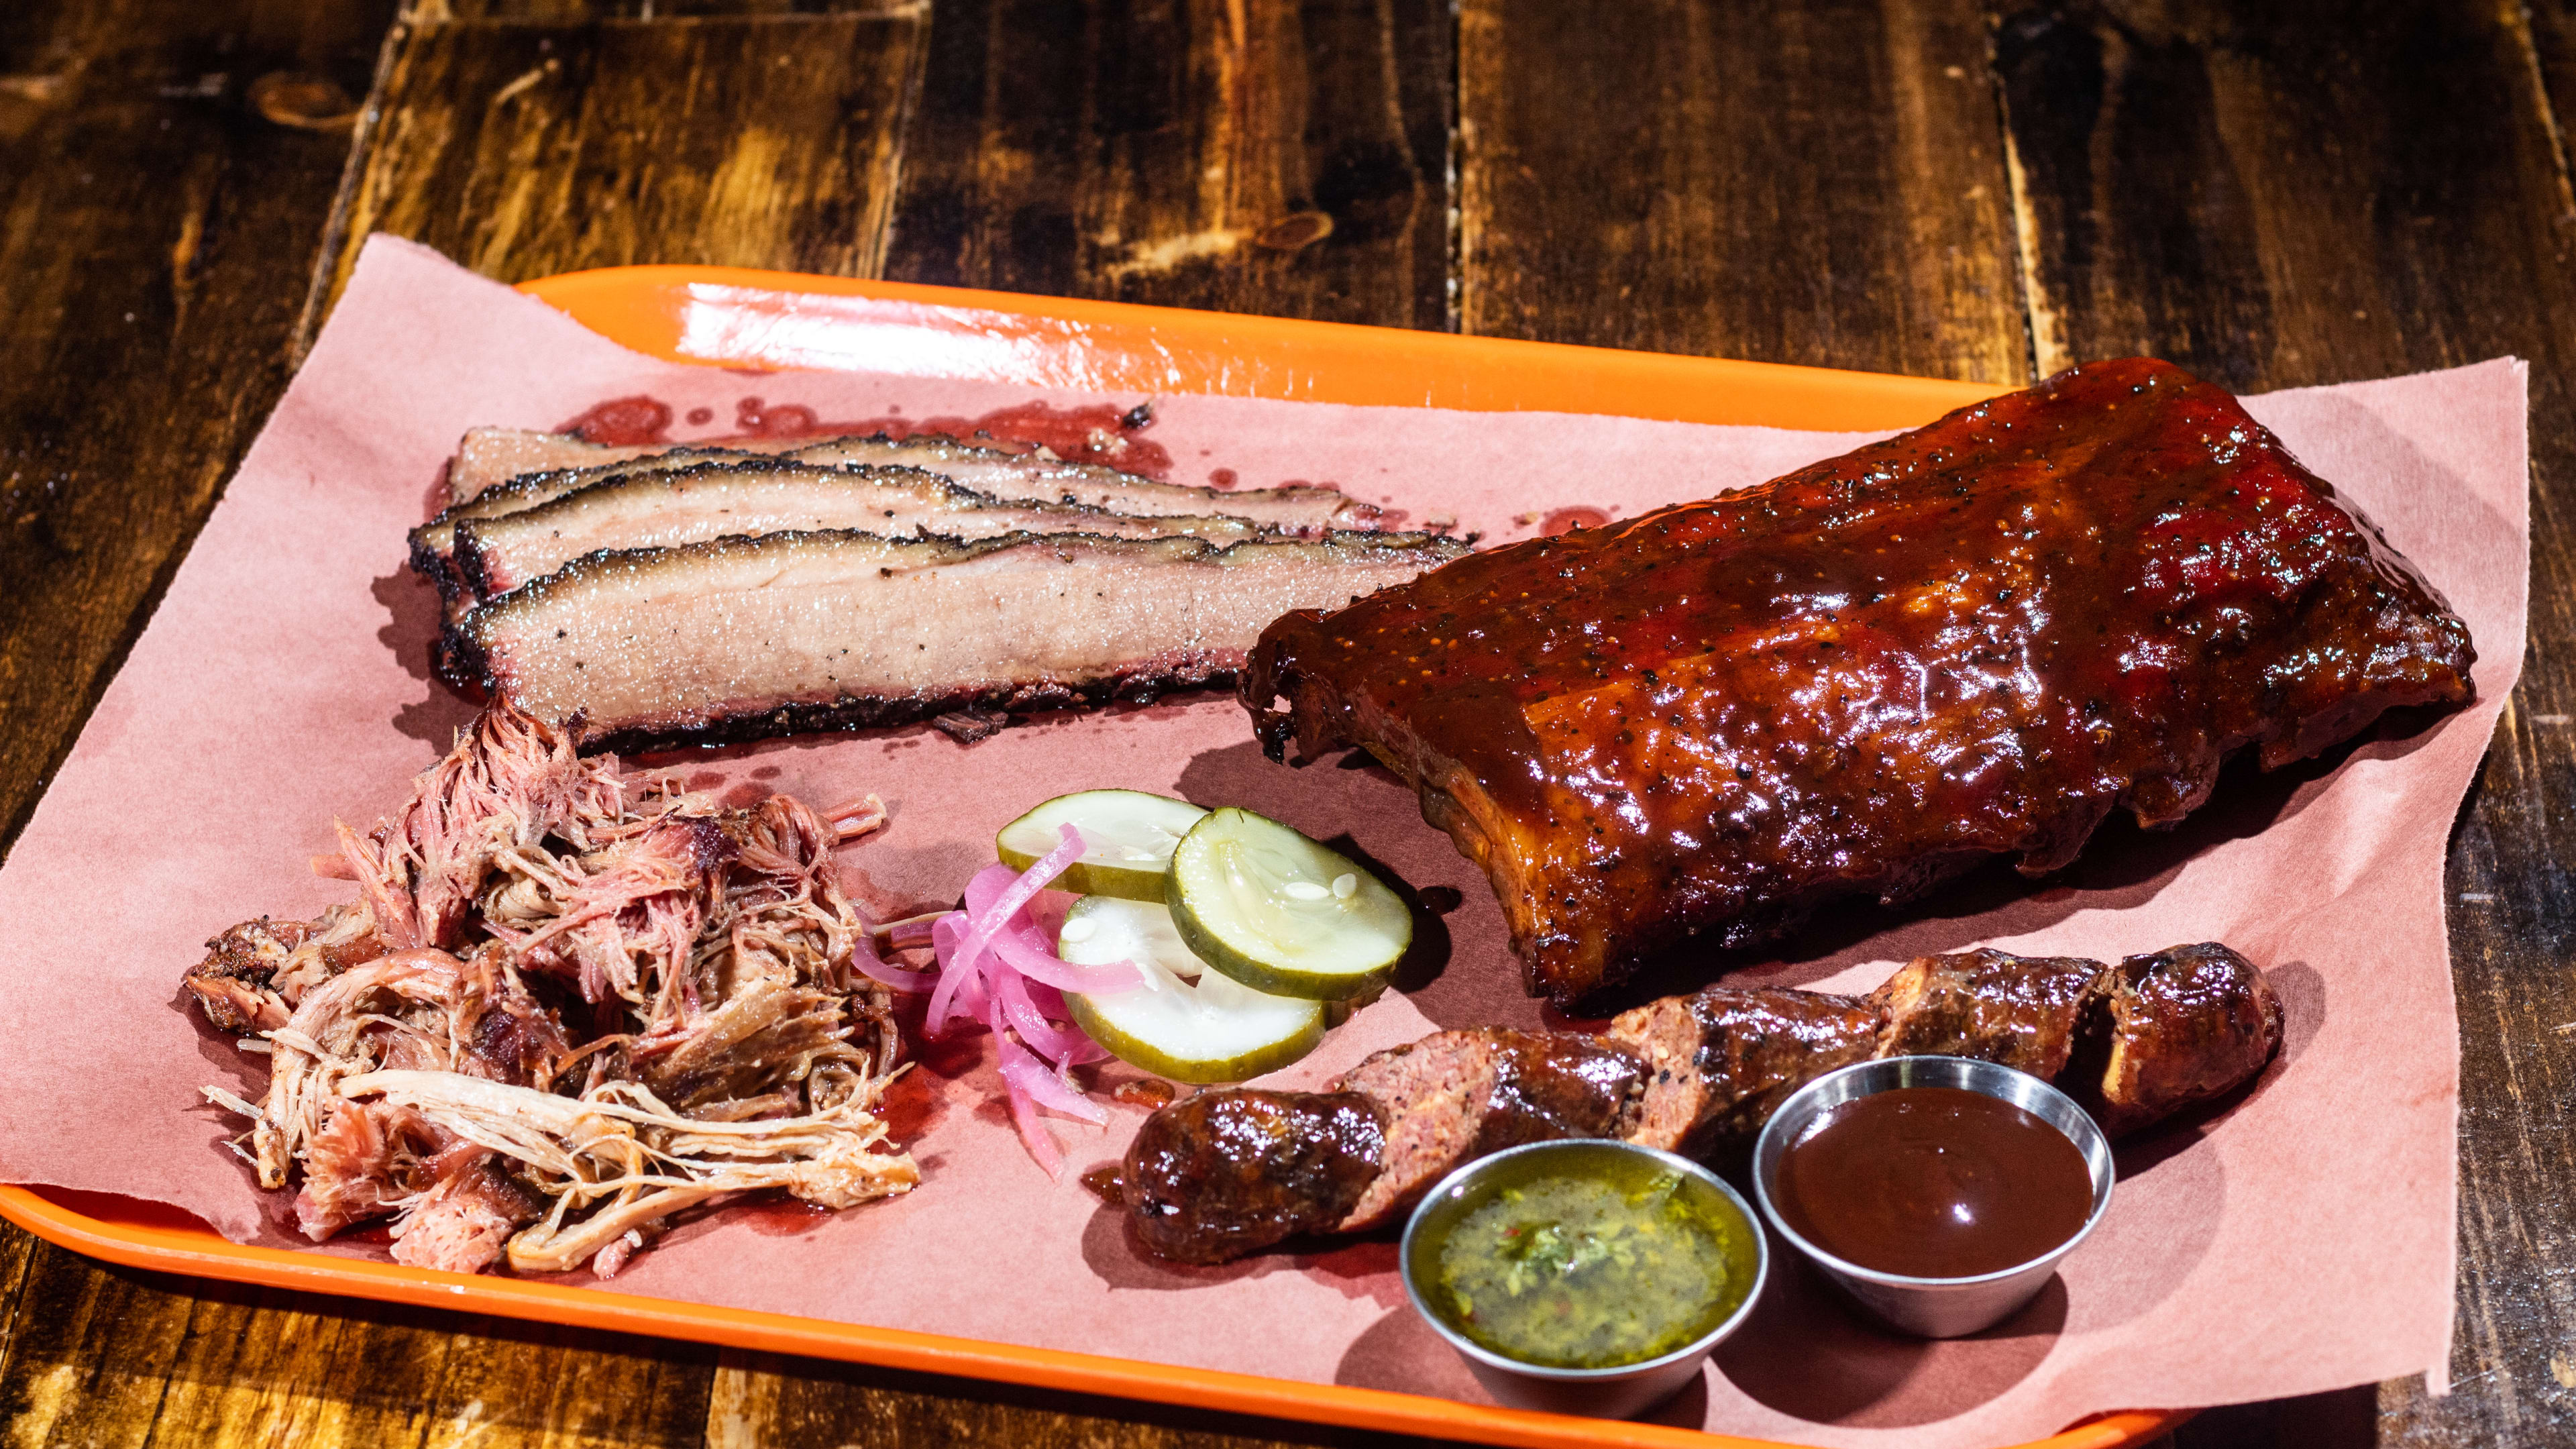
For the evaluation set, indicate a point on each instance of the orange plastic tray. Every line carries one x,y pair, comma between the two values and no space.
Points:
737,318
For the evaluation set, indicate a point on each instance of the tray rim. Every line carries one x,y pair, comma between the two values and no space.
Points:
1131,347
1189,352
179,1244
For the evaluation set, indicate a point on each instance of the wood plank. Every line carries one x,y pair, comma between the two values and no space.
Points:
2548,30
18,1249
1815,184
107,1356
525,149
569,12
765,1402
156,227
1241,155
2315,191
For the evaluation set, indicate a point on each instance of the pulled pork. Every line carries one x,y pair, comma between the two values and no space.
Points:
567,1004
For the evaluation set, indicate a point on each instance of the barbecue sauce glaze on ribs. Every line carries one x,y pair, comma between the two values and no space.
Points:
1225,1173
1977,638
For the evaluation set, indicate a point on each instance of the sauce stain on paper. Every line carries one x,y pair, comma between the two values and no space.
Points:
778,1217
1098,433
623,422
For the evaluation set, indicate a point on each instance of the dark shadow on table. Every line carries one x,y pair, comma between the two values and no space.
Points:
1807,1353
2343,1419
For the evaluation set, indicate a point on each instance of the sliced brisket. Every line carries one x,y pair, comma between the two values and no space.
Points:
719,500
737,638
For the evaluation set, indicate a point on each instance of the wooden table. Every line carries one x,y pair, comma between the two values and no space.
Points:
2271,194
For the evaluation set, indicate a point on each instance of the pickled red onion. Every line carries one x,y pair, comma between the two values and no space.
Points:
1066,1046
985,920
863,956
1019,945
956,968
1033,1133
1022,1069
995,968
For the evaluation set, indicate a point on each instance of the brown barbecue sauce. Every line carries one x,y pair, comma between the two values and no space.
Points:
1107,1183
1933,1182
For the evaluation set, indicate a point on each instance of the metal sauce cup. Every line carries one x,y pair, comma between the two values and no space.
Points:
1934,1307
1620,1391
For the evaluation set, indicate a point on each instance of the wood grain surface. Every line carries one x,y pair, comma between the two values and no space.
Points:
107,1356
524,148
1276,158
1818,184
156,234
2273,195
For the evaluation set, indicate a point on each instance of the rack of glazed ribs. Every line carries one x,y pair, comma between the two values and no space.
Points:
1225,1173
1975,639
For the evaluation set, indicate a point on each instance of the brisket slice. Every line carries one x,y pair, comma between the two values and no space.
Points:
1455,1096
1300,509
664,509
1977,638
745,637
489,456
1222,1174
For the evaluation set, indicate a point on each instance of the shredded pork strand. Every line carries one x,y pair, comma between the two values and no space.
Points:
566,1004
621,1150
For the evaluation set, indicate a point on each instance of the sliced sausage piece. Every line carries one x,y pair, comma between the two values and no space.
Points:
1459,1095
1215,1176
1721,1059
1227,1173
2021,1011
2179,1026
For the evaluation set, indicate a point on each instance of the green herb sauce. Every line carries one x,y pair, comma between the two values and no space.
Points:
1614,1263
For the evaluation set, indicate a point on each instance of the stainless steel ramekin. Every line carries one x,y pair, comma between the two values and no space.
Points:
1933,1307
1619,1392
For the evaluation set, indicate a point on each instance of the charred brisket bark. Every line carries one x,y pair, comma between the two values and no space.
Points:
666,508
1299,509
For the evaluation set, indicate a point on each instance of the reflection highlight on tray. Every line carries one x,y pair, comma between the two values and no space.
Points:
744,325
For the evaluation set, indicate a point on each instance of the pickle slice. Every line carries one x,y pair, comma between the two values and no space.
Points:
1280,913
1188,1023
1127,840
